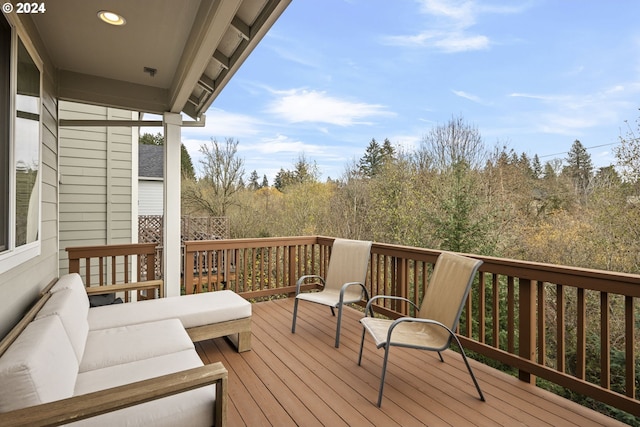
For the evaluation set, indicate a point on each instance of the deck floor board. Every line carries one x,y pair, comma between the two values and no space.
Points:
302,379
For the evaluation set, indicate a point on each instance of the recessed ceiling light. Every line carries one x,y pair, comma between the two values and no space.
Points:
111,18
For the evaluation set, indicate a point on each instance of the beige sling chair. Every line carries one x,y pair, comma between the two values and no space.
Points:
433,328
344,281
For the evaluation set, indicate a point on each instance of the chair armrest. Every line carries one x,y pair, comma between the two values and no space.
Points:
344,287
421,320
92,404
123,287
391,297
301,280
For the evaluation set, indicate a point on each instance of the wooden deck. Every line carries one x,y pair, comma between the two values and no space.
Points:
301,379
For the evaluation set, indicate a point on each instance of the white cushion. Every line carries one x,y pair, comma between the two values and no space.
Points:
69,281
192,310
124,344
192,408
39,367
72,307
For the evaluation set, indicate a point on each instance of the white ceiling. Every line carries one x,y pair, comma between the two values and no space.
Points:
195,46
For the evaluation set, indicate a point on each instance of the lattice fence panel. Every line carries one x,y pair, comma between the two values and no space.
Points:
192,228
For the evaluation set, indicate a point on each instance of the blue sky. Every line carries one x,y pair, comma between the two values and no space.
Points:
330,75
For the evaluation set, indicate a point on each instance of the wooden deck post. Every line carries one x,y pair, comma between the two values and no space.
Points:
527,315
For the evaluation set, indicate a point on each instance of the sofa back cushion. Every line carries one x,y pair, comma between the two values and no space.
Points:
72,308
69,281
39,367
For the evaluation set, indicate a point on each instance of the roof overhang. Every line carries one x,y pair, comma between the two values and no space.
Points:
170,56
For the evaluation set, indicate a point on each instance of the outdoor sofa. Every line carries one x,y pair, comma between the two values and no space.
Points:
124,364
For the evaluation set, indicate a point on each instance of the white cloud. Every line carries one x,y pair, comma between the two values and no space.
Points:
468,96
297,106
460,12
448,42
449,26
574,114
281,145
222,124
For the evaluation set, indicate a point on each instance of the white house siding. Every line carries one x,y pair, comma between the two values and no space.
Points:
20,286
150,197
95,179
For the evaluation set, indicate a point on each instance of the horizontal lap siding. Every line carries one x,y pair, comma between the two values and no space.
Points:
96,183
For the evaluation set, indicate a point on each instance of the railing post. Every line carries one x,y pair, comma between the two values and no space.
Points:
187,276
292,266
527,322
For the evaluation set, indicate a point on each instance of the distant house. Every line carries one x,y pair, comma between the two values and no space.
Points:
150,185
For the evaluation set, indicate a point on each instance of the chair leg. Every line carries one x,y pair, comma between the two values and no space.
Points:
295,314
466,362
384,373
333,313
441,358
361,346
338,326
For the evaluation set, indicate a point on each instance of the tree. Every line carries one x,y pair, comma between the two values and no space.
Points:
222,174
454,143
536,166
265,182
460,222
186,166
628,154
375,157
304,172
150,139
253,181
459,217
579,168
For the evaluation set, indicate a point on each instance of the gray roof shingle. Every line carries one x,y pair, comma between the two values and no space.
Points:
150,161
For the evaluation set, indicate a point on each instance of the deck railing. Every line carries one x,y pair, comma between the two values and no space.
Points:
117,265
545,321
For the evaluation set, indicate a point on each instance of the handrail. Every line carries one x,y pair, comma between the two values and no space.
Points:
116,264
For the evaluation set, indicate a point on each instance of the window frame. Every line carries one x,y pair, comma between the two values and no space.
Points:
13,256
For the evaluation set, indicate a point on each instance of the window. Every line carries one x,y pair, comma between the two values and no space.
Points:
5,112
20,130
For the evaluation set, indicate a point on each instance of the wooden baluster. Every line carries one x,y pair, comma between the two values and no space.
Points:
542,324
482,309
560,327
527,326
605,342
629,343
511,314
581,335
495,287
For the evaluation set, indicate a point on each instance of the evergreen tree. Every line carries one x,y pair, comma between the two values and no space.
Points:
253,181
375,157
186,166
579,167
304,172
536,166
265,182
